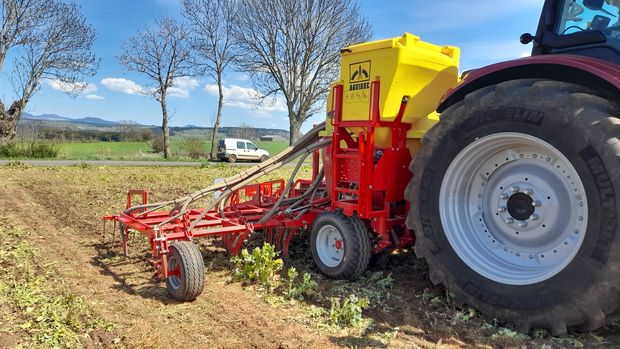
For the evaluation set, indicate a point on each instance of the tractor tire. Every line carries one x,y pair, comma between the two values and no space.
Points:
340,246
232,158
188,283
514,204
263,158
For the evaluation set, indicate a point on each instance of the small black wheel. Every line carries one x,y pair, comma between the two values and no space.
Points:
186,271
263,158
340,245
232,158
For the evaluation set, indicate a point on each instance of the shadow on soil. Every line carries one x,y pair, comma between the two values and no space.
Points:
409,306
135,274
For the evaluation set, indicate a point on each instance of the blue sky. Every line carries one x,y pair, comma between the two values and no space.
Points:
486,30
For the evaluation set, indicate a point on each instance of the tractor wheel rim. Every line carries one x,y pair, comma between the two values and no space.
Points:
513,208
330,246
174,280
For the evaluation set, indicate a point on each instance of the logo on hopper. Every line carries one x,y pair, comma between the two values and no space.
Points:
359,76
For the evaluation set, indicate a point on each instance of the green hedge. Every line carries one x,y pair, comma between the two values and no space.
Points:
33,150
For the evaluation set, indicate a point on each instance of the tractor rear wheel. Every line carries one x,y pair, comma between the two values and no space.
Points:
186,271
514,204
340,245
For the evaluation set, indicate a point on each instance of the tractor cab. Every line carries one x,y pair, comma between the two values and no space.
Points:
581,27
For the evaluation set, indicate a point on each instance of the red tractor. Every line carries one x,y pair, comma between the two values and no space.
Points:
509,193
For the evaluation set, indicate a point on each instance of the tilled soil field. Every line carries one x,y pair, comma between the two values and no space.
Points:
64,285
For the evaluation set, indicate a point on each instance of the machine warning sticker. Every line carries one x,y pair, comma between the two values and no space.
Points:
359,76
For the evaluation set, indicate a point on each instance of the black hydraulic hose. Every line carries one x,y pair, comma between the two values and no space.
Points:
285,192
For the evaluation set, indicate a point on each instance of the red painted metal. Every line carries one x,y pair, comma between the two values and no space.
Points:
360,180
366,181
597,68
234,226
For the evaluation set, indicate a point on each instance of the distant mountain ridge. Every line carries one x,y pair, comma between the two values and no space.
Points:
94,123
81,121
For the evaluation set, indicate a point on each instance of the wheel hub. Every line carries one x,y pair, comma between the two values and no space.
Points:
521,206
330,246
174,273
517,209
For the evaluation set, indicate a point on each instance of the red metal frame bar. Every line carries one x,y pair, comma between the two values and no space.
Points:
361,180
362,185
240,219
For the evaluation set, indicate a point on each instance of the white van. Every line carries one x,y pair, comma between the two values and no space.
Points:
233,149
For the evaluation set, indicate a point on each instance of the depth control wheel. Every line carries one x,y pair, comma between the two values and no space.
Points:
514,204
340,246
186,271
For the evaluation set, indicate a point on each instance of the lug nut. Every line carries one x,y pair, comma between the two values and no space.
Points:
515,189
522,224
534,217
529,192
501,209
509,221
536,203
504,196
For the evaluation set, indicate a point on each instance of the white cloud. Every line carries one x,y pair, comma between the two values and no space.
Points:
182,86
450,14
82,87
123,86
248,98
94,97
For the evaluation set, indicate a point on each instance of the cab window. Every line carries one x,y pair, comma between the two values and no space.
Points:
251,146
582,15
240,145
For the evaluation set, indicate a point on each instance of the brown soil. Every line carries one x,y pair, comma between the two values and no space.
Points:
63,206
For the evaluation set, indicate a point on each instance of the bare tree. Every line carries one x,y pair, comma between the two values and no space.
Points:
213,22
244,131
161,53
36,128
128,130
50,39
291,47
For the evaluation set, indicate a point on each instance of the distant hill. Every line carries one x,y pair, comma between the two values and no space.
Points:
87,124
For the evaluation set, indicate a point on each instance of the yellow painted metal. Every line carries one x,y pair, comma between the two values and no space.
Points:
405,66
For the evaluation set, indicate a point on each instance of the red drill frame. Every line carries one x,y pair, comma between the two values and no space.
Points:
360,180
370,182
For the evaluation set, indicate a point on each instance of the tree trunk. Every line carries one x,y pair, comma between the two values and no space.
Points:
8,121
295,128
7,130
2,57
164,126
216,125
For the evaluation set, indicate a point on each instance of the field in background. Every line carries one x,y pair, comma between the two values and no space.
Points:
138,150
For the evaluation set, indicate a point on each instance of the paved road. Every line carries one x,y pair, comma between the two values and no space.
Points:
115,163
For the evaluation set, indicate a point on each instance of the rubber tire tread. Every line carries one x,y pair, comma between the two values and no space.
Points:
583,109
192,271
357,244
